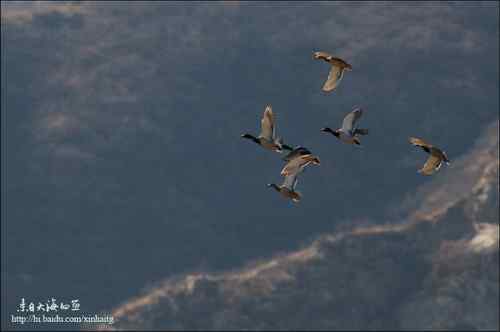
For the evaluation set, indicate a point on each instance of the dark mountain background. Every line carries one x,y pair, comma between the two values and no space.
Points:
121,157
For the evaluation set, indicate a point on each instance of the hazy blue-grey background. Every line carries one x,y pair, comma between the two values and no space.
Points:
121,157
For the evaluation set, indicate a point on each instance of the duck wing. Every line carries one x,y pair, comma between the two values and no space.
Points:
267,124
421,143
290,182
339,62
292,167
298,151
334,78
432,165
350,119
297,165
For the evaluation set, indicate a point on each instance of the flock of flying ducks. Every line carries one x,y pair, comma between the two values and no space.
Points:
299,157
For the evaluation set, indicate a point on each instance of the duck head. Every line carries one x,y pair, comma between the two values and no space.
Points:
319,55
251,137
333,132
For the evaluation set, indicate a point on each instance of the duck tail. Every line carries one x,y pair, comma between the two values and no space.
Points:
297,196
361,131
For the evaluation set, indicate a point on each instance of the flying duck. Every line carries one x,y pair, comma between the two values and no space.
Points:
267,138
336,70
296,152
349,133
287,189
296,165
436,158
